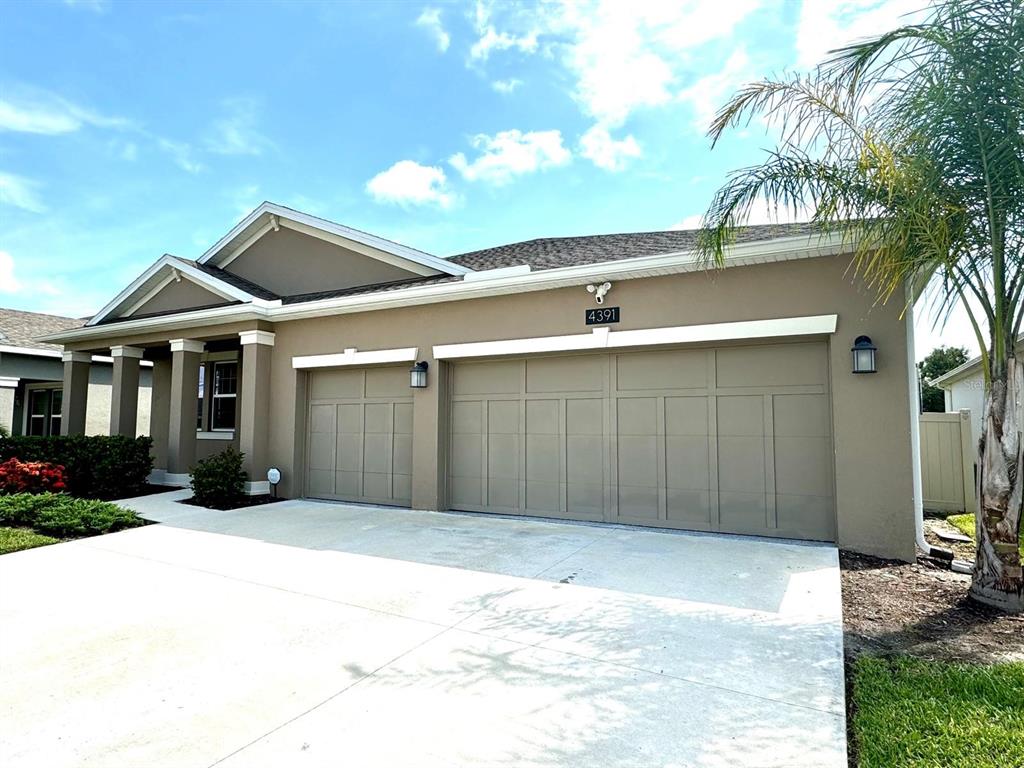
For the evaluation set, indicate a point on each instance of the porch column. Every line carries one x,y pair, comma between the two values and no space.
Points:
124,393
76,392
254,408
181,427
160,412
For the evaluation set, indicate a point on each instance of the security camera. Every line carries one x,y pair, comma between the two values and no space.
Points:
599,291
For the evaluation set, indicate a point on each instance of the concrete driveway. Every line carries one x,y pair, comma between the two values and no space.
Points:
308,634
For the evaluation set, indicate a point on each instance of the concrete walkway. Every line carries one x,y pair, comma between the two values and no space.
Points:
309,634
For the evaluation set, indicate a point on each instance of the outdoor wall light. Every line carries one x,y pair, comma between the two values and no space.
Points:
863,355
418,375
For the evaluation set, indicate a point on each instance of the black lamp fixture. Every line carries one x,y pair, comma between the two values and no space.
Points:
418,375
863,355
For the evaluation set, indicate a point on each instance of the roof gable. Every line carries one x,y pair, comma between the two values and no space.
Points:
270,217
156,290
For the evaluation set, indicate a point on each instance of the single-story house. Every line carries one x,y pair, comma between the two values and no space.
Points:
32,379
608,378
964,387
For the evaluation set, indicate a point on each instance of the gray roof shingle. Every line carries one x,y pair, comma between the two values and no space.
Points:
21,329
553,252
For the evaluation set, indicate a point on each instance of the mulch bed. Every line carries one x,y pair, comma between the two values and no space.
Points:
248,501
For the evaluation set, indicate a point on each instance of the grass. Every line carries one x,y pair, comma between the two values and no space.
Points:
17,539
913,713
965,524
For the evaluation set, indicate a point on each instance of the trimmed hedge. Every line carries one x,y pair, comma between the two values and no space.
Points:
95,466
218,481
60,515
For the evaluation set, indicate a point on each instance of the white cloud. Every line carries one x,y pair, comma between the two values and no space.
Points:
236,133
409,183
512,153
19,192
182,155
602,150
130,151
8,282
825,26
31,110
708,94
506,86
489,39
245,198
430,20
623,56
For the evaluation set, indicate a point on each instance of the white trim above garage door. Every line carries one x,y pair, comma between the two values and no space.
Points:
603,338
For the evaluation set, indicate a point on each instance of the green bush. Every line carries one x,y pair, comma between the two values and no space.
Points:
58,514
95,466
218,481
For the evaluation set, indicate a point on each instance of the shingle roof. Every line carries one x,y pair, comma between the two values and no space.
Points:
21,329
553,252
232,279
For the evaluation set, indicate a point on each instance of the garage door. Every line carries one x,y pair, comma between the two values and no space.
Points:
734,439
360,436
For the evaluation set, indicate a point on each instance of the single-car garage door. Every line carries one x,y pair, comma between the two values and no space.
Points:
360,436
733,439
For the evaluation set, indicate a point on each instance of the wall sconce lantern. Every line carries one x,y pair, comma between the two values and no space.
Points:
418,375
863,355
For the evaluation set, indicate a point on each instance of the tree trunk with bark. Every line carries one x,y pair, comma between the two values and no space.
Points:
998,578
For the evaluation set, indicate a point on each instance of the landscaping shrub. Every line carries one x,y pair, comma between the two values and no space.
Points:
63,516
218,481
95,466
18,476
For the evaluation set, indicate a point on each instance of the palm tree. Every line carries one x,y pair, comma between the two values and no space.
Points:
911,145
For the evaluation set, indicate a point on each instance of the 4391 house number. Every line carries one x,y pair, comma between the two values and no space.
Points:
602,315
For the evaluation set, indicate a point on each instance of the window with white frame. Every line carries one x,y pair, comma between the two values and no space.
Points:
202,388
224,395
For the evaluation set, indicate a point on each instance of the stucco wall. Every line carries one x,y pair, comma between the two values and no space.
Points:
179,295
870,413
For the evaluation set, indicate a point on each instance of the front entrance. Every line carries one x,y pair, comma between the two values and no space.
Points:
732,439
360,436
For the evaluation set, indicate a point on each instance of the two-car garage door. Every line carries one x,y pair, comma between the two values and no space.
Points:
733,439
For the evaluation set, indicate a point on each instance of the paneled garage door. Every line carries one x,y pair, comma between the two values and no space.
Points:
360,436
733,439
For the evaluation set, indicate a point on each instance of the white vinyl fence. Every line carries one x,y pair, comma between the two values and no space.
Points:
947,461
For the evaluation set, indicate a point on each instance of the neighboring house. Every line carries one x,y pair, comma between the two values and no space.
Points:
32,373
964,387
606,378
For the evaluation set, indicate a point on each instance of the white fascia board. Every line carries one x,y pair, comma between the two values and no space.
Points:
602,338
355,357
493,274
56,354
744,254
339,230
168,262
9,382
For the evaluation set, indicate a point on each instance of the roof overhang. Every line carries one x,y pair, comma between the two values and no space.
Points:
165,270
949,378
270,216
743,254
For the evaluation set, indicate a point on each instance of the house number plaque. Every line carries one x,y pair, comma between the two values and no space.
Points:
602,315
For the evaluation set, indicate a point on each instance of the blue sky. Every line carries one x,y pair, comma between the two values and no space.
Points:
131,129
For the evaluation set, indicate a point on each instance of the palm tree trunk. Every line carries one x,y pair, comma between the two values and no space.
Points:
998,579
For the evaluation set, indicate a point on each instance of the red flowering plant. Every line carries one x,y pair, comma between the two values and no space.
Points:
18,476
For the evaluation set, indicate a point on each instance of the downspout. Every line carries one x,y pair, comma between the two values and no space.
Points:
915,438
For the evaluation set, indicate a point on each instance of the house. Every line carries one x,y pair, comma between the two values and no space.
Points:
608,378
964,388
32,379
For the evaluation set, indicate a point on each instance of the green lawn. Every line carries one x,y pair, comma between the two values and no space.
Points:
912,713
15,539
965,523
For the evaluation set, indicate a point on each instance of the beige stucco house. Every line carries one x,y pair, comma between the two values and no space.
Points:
32,378
609,378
